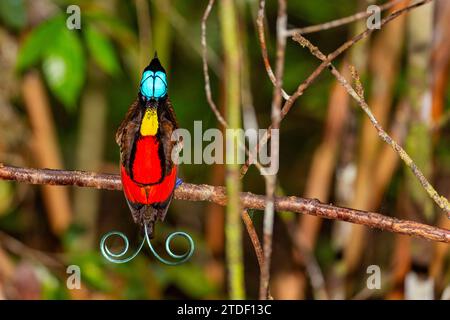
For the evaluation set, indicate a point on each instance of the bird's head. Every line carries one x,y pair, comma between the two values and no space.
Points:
153,85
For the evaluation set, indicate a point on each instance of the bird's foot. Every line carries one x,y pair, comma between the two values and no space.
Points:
178,182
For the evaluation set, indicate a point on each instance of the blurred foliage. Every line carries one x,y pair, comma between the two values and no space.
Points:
62,56
102,51
108,45
13,13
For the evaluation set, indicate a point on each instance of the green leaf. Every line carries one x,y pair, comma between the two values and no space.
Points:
62,55
12,13
37,42
112,26
101,50
64,67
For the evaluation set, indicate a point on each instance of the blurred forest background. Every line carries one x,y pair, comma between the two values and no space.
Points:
64,92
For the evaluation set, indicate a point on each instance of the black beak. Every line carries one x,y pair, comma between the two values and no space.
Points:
151,103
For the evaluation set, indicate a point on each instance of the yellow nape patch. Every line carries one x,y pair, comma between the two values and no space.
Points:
149,125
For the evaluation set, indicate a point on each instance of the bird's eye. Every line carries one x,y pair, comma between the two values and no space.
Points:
153,85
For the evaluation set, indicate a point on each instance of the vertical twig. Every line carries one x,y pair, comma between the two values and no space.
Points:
205,66
276,119
233,228
210,100
249,118
262,42
215,221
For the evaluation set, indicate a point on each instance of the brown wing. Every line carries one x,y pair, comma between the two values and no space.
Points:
126,133
168,124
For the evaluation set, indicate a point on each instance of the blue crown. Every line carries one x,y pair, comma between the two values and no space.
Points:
153,84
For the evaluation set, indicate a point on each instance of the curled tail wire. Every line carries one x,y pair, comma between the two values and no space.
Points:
119,257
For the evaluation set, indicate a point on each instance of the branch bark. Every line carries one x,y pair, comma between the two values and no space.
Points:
209,98
271,180
339,22
217,194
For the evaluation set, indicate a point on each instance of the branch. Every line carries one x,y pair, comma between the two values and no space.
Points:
262,43
271,180
253,238
209,97
216,194
339,22
305,84
205,66
358,95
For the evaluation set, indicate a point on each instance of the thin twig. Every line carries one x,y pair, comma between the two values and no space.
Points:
217,194
305,84
271,180
262,42
256,243
441,201
339,22
209,98
205,66
254,238
249,118
358,95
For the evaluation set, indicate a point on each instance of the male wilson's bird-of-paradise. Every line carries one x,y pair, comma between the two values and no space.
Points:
144,137
148,172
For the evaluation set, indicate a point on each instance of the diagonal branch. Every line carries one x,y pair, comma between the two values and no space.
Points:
342,21
358,95
253,238
203,192
305,84
262,43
